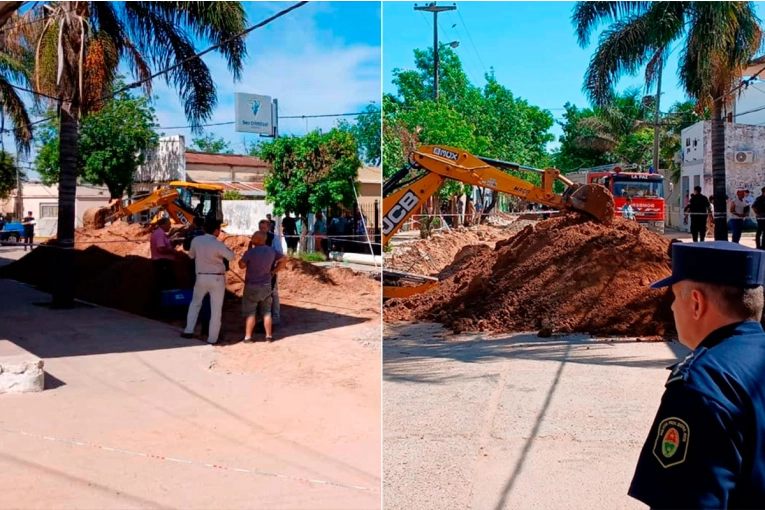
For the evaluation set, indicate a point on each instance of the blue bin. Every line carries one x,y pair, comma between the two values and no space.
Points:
177,297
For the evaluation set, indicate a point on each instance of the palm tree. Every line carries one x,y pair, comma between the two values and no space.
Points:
78,48
718,39
622,115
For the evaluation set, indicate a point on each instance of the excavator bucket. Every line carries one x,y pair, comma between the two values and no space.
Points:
96,217
595,200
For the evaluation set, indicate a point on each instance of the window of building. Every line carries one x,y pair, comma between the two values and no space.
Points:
48,211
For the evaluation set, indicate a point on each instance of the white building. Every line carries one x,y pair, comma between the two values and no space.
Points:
744,147
43,202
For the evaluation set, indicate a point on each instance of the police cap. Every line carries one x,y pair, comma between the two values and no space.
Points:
716,262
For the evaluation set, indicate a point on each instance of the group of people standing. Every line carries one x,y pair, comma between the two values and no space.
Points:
337,235
740,207
212,259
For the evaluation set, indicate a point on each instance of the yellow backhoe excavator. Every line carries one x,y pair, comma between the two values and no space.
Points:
432,165
183,201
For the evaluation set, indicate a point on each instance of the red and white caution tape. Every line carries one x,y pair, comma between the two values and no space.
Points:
256,472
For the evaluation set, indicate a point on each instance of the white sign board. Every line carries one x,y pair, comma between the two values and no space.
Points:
254,114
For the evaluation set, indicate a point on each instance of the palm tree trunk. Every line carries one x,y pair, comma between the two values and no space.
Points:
718,172
63,295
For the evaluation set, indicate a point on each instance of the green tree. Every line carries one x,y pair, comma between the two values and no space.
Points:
211,145
717,40
572,155
78,48
311,173
367,133
112,145
10,175
488,121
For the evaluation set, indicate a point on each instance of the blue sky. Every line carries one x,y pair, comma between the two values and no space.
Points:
530,45
322,58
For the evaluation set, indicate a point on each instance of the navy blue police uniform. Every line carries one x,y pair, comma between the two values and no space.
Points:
706,447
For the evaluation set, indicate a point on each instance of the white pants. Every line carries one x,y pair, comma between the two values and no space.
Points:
215,285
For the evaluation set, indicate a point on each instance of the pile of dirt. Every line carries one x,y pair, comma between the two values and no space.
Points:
429,256
566,274
113,268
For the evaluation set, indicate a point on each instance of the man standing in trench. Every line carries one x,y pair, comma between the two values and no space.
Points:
706,447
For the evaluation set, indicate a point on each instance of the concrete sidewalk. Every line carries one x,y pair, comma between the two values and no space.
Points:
516,421
126,399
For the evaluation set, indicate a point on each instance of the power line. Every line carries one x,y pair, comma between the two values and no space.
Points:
211,48
471,41
459,36
138,83
324,115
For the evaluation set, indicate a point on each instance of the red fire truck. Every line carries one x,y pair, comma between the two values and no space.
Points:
645,188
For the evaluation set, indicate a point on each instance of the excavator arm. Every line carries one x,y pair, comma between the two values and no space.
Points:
438,163
166,199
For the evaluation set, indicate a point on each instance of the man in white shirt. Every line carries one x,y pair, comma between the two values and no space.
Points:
211,258
736,215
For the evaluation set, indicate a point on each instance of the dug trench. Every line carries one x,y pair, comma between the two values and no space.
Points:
562,275
113,269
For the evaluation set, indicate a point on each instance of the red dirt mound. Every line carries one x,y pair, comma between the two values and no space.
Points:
113,268
567,274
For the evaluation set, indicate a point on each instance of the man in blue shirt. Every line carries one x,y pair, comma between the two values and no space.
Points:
706,447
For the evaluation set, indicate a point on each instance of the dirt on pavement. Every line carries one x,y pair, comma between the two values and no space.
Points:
566,274
429,256
113,268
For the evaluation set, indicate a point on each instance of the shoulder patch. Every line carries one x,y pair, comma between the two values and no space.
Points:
671,444
680,371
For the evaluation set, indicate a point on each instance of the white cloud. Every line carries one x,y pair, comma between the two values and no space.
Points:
307,68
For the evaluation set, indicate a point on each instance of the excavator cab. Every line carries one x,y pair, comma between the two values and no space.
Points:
199,201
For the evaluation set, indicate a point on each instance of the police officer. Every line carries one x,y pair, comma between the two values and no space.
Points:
706,447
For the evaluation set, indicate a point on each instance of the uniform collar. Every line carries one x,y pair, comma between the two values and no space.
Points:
736,329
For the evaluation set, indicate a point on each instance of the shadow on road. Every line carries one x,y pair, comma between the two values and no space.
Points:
83,331
406,347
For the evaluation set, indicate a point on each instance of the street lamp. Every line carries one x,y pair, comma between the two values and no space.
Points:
454,44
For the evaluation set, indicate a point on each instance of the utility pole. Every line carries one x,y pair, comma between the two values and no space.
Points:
656,127
435,10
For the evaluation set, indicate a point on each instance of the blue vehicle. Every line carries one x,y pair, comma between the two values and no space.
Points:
12,232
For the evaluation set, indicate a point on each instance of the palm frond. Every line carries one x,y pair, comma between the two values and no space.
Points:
588,15
626,46
164,45
722,40
211,21
13,106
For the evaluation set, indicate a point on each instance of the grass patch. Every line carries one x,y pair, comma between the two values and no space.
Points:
310,257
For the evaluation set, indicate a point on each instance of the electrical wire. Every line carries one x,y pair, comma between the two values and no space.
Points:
471,41
263,23
138,83
324,115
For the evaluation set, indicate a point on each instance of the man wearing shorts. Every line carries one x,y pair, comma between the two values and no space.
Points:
261,262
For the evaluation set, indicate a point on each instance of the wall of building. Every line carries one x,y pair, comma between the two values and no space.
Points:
166,163
197,172
697,163
752,99
43,202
